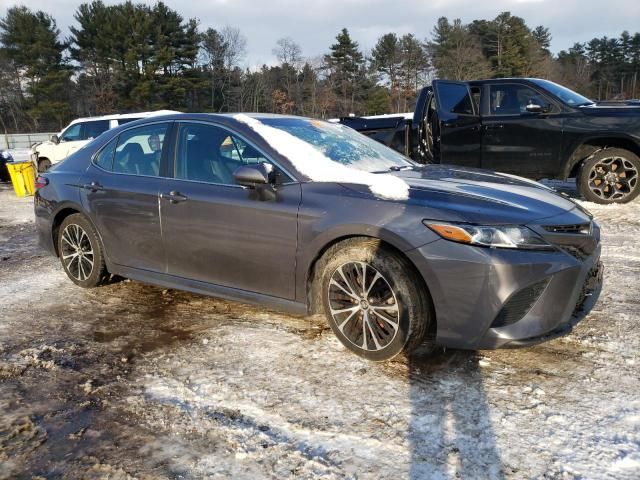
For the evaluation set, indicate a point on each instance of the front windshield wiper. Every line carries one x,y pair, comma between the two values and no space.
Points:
394,168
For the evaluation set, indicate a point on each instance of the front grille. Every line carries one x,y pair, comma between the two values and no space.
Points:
519,304
575,229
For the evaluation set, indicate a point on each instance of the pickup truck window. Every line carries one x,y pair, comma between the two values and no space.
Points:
567,96
512,99
455,99
475,95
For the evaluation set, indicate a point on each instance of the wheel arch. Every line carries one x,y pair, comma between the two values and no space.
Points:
591,145
313,274
63,212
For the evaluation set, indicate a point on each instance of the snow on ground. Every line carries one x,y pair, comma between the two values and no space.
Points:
133,381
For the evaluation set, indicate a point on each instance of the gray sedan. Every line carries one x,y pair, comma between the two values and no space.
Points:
309,216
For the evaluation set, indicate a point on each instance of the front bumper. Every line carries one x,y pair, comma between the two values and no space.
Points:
589,297
470,286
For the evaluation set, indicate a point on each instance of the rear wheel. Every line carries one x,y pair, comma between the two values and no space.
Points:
610,176
81,252
374,301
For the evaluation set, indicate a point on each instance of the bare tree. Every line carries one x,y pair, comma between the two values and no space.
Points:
236,46
288,51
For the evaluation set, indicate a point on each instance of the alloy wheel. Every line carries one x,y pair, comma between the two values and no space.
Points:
77,252
363,306
613,178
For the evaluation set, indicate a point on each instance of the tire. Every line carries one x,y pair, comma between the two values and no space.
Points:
610,175
44,164
397,295
78,234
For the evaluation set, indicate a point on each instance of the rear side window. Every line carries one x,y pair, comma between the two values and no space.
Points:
139,150
94,129
455,98
104,158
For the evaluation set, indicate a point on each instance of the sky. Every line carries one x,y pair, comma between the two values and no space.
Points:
314,23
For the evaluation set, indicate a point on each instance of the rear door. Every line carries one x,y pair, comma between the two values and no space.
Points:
120,191
515,140
457,130
218,232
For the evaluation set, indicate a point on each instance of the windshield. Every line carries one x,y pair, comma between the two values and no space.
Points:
341,144
563,93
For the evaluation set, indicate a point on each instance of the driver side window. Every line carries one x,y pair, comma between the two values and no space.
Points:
209,153
512,99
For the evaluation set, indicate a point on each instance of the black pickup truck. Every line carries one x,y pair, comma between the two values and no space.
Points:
523,126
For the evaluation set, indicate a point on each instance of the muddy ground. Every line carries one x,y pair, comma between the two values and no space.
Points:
133,381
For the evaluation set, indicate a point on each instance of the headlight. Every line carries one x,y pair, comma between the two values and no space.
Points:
499,236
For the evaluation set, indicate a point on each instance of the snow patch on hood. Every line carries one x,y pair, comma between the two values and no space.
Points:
319,168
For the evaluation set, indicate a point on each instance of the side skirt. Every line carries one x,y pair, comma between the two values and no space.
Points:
210,289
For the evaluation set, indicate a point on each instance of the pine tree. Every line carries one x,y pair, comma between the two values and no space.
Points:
387,60
31,45
345,64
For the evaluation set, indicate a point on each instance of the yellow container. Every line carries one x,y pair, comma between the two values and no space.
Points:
22,177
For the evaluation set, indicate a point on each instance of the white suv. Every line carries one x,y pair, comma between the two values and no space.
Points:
78,133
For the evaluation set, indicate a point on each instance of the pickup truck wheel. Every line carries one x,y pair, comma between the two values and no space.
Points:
374,300
44,164
610,176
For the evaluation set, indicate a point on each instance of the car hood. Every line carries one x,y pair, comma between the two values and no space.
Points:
480,196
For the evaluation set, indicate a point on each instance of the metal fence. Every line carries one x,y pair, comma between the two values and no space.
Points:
22,140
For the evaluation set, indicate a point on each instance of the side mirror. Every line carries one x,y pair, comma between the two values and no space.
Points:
55,139
533,108
253,175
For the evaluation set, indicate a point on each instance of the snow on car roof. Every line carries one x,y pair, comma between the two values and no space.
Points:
320,168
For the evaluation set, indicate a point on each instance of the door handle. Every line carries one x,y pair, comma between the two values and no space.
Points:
174,197
498,126
93,187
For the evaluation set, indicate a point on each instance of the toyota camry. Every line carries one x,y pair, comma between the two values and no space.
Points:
309,216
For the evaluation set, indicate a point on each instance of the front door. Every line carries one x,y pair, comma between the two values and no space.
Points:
515,140
120,192
458,124
218,232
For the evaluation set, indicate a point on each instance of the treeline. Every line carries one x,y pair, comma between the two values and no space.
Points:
132,57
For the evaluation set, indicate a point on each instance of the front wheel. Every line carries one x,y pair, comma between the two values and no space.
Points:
81,251
374,301
610,176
